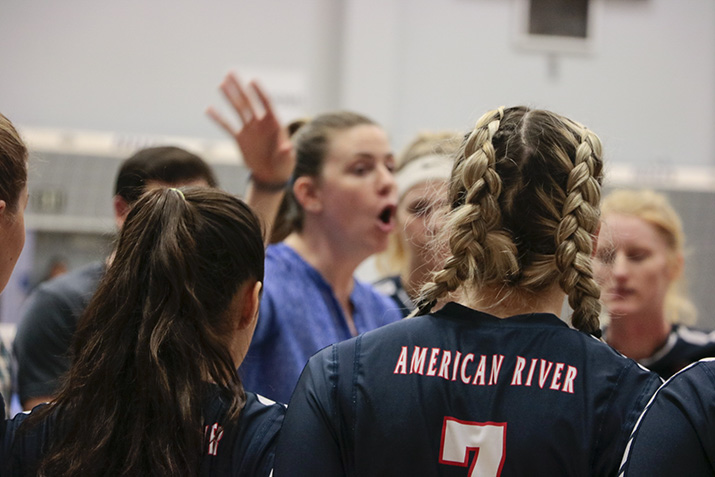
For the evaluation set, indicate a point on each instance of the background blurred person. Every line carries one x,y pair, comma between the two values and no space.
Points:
422,178
56,267
342,200
639,264
49,317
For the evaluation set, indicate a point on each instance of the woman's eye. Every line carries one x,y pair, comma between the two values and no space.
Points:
638,256
360,169
419,208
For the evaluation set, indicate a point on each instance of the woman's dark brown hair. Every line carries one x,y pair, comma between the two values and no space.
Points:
154,337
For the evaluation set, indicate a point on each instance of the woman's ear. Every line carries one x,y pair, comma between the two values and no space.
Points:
245,305
3,207
121,210
307,193
251,301
676,266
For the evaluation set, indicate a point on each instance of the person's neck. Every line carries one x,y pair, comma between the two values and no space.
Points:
638,336
500,303
332,262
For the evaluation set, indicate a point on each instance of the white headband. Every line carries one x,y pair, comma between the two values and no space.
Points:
427,168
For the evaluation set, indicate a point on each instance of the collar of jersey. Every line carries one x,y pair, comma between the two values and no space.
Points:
462,313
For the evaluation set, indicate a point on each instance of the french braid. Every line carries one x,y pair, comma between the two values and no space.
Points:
524,193
580,218
475,219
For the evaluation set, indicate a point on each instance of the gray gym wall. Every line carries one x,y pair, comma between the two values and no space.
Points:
645,82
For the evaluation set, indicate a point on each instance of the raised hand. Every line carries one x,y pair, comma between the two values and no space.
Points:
264,143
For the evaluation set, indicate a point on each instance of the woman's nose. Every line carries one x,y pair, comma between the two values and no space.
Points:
620,266
386,180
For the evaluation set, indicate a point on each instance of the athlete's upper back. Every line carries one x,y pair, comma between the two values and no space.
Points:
465,393
245,448
676,433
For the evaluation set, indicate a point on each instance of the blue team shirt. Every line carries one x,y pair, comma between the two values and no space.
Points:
299,315
676,434
245,448
461,393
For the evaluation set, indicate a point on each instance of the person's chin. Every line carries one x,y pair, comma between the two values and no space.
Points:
381,245
622,309
376,242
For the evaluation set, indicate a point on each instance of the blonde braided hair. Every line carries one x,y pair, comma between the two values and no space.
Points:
574,235
475,219
524,193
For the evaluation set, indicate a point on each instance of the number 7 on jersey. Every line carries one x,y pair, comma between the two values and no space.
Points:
486,439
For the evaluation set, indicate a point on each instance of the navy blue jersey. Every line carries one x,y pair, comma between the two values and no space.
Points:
683,346
246,448
676,434
463,393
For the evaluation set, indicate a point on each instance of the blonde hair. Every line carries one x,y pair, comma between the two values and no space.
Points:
524,198
655,209
427,143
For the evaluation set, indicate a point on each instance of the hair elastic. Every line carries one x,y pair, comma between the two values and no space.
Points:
178,192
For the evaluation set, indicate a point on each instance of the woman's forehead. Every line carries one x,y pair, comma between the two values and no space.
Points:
363,140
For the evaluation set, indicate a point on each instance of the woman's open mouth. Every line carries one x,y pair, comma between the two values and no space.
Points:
386,220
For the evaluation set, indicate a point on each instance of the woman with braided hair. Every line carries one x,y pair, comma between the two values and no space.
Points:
493,382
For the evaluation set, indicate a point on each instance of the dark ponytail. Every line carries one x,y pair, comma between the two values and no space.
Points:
154,336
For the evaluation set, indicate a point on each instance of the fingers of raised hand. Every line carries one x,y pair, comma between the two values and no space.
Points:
236,94
220,120
265,101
